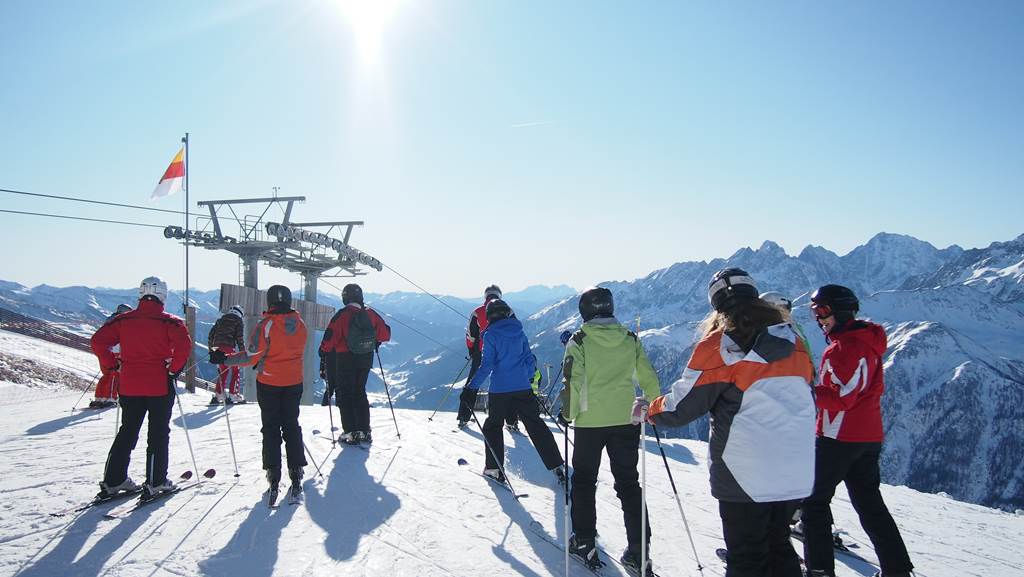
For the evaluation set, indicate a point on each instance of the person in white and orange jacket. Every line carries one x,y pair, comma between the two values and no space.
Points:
848,396
751,372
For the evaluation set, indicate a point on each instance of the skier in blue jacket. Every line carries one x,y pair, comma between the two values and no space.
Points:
511,366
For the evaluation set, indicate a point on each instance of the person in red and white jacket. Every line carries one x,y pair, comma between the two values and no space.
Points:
848,397
355,326
155,346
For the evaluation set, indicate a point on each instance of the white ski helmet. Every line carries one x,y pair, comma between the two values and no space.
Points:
777,299
153,286
237,311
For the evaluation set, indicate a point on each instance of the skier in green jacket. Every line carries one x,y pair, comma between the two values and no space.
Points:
604,363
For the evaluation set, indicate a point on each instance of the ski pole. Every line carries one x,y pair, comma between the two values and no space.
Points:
393,418
184,425
551,384
330,415
679,503
493,454
227,418
643,493
552,417
565,490
311,459
117,412
88,386
450,387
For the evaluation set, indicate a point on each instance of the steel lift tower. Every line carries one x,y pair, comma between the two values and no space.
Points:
287,245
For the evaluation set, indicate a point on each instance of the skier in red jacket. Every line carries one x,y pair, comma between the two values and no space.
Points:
352,337
106,387
848,396
475,344
155,346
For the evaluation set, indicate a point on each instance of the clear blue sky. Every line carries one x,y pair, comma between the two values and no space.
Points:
512,142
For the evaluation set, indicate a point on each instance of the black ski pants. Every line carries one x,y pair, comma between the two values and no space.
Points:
757,538
623,445
133,411
353,372
467,398
525,404
279,410
856,464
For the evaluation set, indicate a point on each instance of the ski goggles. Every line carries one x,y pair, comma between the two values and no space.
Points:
821,311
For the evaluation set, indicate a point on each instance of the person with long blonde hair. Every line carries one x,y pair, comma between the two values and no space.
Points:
752,373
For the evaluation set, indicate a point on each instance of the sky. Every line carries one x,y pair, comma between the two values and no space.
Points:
511,142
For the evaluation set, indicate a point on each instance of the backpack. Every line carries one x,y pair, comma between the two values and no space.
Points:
362,335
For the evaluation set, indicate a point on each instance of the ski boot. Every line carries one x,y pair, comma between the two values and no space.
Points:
217,399
350,438
235,399
150,491
295,491
631,563
126,486
514,429
585,550
274,482
559,472
364,436
462,424
494,474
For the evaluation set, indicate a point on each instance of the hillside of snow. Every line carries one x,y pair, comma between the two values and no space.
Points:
403,507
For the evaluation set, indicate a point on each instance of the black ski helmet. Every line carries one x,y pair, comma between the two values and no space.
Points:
841,300
492,292
498,310
122,308
729,286
279,298
352,293
596,302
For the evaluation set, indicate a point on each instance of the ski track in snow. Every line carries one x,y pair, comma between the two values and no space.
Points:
403,507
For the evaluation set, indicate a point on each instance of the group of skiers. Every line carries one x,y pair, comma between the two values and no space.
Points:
752,372
154,346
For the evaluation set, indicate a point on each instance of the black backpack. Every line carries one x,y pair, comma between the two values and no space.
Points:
362,336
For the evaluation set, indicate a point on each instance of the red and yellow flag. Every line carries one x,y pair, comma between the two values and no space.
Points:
173,178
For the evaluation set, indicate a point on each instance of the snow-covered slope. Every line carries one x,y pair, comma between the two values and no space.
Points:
402,508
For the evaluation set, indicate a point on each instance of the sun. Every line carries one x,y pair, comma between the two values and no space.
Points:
368,20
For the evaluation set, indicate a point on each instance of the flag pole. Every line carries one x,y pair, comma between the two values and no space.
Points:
185,305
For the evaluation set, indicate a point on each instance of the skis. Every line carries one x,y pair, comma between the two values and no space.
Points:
142,502
501,484
837,546
110,498
537,528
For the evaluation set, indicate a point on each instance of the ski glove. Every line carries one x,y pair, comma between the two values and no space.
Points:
640,406
217,357
561,420
564,337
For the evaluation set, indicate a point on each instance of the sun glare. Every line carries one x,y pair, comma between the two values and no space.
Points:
368,20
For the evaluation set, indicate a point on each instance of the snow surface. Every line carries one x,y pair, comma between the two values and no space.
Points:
402,508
